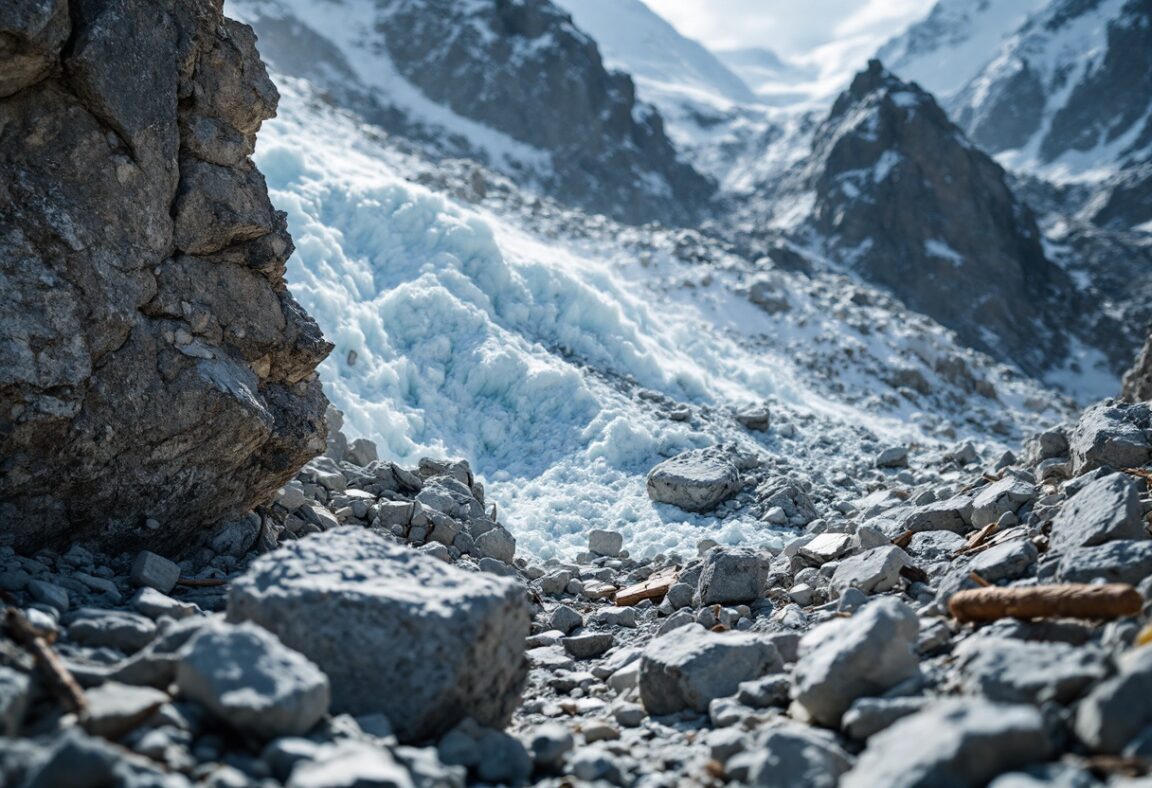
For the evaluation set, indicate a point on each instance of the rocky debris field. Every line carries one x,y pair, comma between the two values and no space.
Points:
969,621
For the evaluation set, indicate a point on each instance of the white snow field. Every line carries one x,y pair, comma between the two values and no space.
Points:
551,362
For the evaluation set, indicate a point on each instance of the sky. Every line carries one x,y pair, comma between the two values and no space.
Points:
833,34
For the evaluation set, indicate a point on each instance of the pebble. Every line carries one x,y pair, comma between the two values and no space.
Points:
154,571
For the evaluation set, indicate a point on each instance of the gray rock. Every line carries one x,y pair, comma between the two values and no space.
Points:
236,538
350,764
14,696
549,743
372,615
362,452
1109,434
998,498
862,656
150,271
118,629
497,543
689,667
695,481
1104,511
601,542
452,497
732,576
766,692
872,571
950,515
115,709
154,571
291,496
1115,712
826,547
794,755
1115,562
679,595
615,617
952,743
1013,671
49,594
153,604
1007,561
892,457
868,716
936,545
588,645
756,417
76,759
554,583
252,682
565,619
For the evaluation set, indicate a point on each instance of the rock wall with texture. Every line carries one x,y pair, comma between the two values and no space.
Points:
1138,380
157,374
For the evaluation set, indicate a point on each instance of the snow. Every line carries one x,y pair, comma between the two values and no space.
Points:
938,248
550,362
947,49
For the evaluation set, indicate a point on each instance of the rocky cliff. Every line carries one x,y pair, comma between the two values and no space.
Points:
157,373
907,202
1138,381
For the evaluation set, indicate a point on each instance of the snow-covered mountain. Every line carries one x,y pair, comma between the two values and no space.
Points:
773,79
514,85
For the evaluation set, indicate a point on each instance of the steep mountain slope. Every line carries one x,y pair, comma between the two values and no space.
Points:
773,79
947,49
470,79
565,355
904,200
659,59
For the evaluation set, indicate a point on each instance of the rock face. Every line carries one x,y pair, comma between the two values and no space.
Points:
396,632
1138,380
141,278
914,207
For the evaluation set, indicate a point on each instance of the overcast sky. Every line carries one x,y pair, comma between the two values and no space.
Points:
836,34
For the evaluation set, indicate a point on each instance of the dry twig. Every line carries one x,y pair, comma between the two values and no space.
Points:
1055,601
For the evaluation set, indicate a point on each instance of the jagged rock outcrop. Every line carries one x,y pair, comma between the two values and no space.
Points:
518,67
1138,381
905,200
157,373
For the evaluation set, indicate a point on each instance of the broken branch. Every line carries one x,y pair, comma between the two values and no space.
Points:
1115,600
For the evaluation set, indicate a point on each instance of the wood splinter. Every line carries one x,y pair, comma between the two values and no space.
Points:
60,681
653,588
1115,600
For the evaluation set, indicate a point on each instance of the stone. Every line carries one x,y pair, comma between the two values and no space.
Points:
252,682
1105,510
144,295
1008,561
1109,435
616,617
998,498
588,645
565,619
451,497
350,764
796,755
606,543
1014,671
153,604
892,457
49,594
236,538
362,452
1138,380
862,656
695,481
949,515
689,667
497,543
756,417
766,692
549,743
77,759
373,614
826,547
115,709
868,716
732,576
1122,561
14,696
1115,712
936,545
952,742
118,629
154,571
873,571
789,496
554,583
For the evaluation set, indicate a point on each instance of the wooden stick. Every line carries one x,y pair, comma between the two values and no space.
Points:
1115,600
51,667
654,587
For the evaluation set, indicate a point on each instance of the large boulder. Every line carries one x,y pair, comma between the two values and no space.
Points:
857,657
141,278
695,481
689,667
396,631
1111,434
953,743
